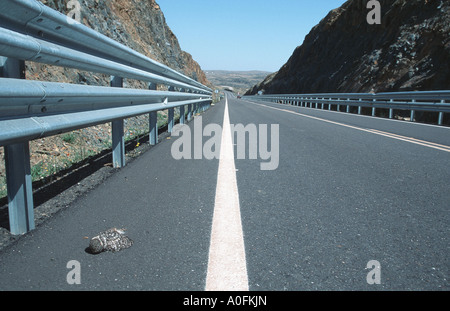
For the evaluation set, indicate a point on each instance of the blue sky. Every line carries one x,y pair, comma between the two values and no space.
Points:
243,34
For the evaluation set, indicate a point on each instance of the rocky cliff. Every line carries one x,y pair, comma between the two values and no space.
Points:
409,50
138,24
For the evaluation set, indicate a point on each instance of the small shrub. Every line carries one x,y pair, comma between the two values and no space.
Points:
69,138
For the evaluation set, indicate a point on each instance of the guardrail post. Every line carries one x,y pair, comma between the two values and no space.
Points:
20,189
153,121
170,120
441,115
182,111
189,115
391,111
18,169
182,117
118,141
359,106
413,112
171,111
373,109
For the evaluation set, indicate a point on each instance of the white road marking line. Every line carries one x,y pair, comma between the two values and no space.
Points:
227,267
373,131
414,140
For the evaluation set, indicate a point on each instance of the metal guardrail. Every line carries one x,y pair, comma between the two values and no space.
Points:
31,31
436,101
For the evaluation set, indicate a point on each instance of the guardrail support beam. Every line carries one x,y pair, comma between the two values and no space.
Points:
118,141
153,121
441,118
189,114
170,120
18,168
20,189
182,117
413,112
118,144
171,113
391,111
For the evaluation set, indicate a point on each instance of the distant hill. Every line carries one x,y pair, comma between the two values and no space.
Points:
238,81
409,50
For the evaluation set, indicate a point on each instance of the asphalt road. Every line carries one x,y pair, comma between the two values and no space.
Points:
341,196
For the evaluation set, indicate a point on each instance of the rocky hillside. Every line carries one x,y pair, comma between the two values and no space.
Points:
138,24
409,50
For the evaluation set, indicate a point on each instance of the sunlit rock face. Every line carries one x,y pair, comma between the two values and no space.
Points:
408,50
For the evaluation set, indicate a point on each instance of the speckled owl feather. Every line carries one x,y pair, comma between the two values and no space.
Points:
112,240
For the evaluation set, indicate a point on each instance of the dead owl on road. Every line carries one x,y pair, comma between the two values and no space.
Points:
112,240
